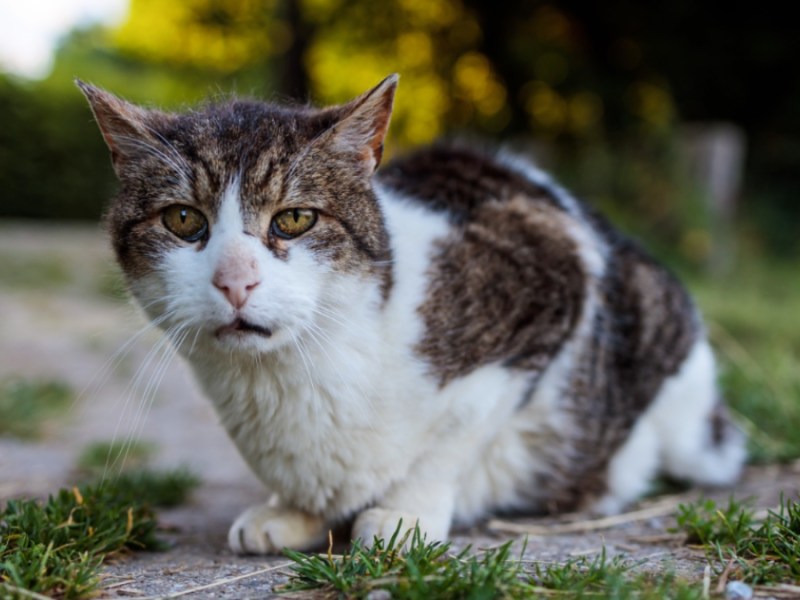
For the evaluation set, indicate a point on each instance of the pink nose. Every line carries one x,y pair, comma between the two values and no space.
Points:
236,286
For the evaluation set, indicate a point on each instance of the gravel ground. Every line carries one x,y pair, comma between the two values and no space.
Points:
70,331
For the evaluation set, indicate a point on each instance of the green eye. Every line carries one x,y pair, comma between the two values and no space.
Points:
293,222
186,222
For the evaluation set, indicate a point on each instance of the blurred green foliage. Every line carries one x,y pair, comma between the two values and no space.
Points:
49,167
99,458
604,88
26,404
752,321
23,271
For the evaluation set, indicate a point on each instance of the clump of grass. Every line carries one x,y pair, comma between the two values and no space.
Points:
129,463
57,547
410,568
601,577
771,552
26,404
763,554
706,523
423,570
163,489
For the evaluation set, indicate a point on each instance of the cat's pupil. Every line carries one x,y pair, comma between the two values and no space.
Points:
296,215
184,214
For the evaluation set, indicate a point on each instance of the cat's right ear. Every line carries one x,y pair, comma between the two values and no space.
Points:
363,127
121,123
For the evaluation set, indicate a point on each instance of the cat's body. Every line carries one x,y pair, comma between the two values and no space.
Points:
454,336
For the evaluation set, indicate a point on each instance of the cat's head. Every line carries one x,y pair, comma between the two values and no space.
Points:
247,223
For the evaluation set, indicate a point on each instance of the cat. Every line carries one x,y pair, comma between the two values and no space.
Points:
451,336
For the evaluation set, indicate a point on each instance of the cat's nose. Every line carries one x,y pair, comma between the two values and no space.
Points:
236,287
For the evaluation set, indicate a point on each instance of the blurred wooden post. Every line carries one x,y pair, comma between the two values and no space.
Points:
715,154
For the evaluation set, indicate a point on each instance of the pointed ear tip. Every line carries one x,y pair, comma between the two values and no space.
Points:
87,88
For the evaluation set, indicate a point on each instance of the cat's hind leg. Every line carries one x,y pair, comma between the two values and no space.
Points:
685,433
699,443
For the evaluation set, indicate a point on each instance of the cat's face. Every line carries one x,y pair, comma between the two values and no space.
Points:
247,224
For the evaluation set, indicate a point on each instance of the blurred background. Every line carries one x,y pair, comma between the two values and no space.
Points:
681,120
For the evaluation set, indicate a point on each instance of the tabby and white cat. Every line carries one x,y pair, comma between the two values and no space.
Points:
453,336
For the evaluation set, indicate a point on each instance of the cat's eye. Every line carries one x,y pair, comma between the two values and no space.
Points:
186,222
293,222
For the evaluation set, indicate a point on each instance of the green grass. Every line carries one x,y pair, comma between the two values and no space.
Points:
706,523
611,579
157,488
25,405
126,465
57,547
426,570
100,458
410,568
763,553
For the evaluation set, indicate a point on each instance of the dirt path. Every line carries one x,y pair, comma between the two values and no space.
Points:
58,322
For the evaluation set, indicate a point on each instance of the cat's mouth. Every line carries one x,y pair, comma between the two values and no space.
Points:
240,326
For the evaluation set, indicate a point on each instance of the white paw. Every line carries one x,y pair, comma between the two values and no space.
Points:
383,523
265,529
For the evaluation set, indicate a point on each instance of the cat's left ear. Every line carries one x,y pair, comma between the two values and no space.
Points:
363,127
120,122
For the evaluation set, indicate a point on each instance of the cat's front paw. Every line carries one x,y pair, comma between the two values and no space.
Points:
265,529
383,523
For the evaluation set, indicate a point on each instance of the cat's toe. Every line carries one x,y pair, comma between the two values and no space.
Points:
264,529
383,523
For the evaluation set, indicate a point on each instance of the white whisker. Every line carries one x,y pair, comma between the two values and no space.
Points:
112,362
154,151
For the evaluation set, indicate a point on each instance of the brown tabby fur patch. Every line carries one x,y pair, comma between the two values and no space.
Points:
507,286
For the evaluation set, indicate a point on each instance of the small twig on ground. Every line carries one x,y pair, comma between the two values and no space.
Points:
781,590
219,583
660,538
589,552
723,578
125,581
661,509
